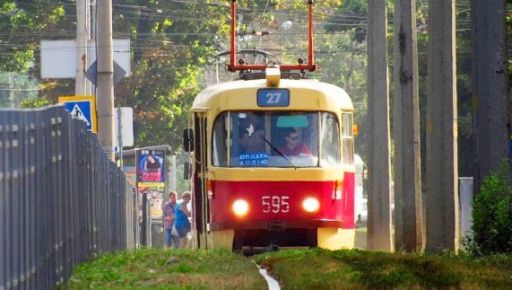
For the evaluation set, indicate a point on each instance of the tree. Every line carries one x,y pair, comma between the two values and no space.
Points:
22,22
171,43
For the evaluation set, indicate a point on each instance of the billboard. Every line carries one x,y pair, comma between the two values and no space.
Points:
150,174
150,166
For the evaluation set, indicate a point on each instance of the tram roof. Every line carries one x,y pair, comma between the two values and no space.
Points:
235,95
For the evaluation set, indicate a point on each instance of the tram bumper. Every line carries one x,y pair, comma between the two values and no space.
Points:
258,234
275,224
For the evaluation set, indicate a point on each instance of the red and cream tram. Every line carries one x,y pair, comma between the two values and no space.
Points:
272,163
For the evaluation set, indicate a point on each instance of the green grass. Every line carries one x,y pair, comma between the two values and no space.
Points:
168,269
295,269
354,269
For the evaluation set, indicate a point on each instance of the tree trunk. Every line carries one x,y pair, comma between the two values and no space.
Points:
489,84
442,230
379,163
406,131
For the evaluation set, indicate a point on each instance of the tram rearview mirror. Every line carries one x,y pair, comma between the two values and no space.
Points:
292,121
188,140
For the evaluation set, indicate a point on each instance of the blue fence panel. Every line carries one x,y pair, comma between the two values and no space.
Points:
3,192
62,201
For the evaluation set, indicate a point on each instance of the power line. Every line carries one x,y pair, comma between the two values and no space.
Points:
18,90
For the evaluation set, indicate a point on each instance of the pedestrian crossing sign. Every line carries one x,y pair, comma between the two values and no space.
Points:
82,108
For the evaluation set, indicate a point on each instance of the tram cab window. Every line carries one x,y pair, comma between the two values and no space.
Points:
276,139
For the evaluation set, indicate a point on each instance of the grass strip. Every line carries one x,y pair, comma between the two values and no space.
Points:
355,269
168,269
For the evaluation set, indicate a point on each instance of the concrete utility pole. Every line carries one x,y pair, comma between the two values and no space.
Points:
82,37
442,199
379,164
105,91
408,202
489,86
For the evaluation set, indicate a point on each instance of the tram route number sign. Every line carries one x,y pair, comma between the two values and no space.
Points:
273,97
275,204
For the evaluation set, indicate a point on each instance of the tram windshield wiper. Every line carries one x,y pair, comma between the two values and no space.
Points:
278,151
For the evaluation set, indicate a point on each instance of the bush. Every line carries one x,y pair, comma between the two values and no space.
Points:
492,215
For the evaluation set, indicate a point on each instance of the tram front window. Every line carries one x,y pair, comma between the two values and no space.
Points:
275,139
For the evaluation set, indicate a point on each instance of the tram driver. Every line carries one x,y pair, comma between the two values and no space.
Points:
292,144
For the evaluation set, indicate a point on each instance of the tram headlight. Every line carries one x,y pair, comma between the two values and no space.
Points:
311,204
240,207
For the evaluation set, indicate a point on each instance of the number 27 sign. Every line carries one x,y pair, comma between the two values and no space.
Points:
273,98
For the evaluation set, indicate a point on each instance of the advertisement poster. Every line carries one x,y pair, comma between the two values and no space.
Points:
150,173
150,166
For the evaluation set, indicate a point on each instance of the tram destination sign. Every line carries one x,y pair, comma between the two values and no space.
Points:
273,98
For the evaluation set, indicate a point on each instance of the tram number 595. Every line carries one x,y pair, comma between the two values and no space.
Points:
275,204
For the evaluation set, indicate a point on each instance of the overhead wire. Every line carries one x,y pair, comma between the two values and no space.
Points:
121,10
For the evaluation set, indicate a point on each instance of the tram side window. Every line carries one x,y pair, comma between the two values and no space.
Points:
219,152
330,140
347,138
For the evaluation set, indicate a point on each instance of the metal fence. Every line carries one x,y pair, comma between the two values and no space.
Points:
61,200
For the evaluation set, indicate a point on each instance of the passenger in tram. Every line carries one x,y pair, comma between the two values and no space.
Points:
243,140
181,223
251,140
292,144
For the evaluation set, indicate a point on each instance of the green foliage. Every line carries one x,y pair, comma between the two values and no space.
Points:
17,89
35,103
492,215
170,46
357,10
22,23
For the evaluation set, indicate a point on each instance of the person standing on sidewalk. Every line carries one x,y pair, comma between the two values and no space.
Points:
169,217
182,224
